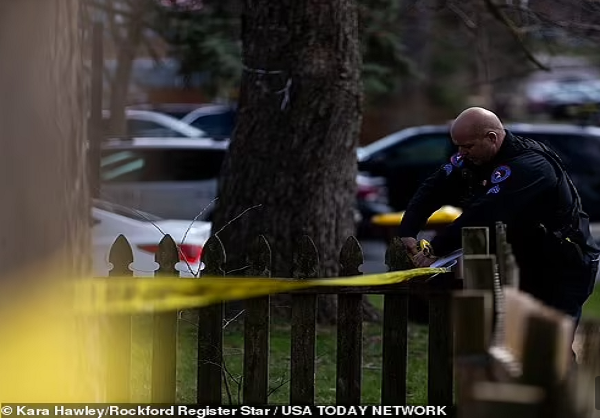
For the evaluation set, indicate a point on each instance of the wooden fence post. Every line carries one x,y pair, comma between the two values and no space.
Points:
395,331
256,329
590,350
475,241
508,272
164,336
479,272
512,269
210,331
440,348
583,397
349,330
118,338
481,269
303,339
507,399
546,355
546,350
472,318
472,321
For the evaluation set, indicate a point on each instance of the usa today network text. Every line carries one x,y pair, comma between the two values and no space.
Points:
201,411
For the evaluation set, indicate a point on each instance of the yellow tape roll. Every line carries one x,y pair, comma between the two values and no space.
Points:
127,294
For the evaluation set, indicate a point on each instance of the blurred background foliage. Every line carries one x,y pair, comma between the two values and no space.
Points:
422,60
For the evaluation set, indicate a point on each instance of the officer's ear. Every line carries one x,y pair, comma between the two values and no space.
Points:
493,136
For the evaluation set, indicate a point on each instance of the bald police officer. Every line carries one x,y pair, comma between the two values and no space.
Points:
497,176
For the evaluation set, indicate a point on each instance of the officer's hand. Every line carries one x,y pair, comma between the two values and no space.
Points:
411,245
422,260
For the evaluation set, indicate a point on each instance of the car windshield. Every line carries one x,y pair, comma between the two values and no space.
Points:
130,213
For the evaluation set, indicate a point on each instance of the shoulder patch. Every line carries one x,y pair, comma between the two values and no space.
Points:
501,173
457,160
494,190
448,169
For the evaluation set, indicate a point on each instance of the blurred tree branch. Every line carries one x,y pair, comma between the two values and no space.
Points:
468,22
206,41
496,11
384,50
126,23
203,36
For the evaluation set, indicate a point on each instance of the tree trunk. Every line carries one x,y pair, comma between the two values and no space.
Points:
293,149
45,210
44,216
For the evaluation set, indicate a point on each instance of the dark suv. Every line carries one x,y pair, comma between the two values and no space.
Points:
406,158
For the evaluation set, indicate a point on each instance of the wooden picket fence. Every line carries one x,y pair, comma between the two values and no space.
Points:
512,353
504,352
303,330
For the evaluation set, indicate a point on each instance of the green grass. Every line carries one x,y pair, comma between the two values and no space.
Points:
279,363
591,309
325,366
280,360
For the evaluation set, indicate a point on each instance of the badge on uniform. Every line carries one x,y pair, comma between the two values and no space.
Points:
494,190
501,173
457,160
448,169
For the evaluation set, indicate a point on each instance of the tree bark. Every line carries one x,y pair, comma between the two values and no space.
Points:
45,210
45,214
293,149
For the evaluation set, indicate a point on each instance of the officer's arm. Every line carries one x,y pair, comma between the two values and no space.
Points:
529,177
430,196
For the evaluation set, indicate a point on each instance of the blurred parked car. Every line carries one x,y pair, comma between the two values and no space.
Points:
563,99
371,200
178,178
537,95
572,103
172,178
216,120
406,158
144,232
146,124
175,110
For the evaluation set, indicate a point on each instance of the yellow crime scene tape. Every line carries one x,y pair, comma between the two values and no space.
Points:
130,295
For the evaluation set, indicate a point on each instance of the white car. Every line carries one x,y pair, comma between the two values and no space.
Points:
149,124
144,232
174,178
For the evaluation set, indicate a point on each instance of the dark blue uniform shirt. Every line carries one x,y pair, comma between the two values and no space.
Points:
526,187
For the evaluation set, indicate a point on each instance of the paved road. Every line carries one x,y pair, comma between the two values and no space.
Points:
374,254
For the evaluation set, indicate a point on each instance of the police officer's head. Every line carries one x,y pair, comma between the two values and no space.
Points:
478,134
